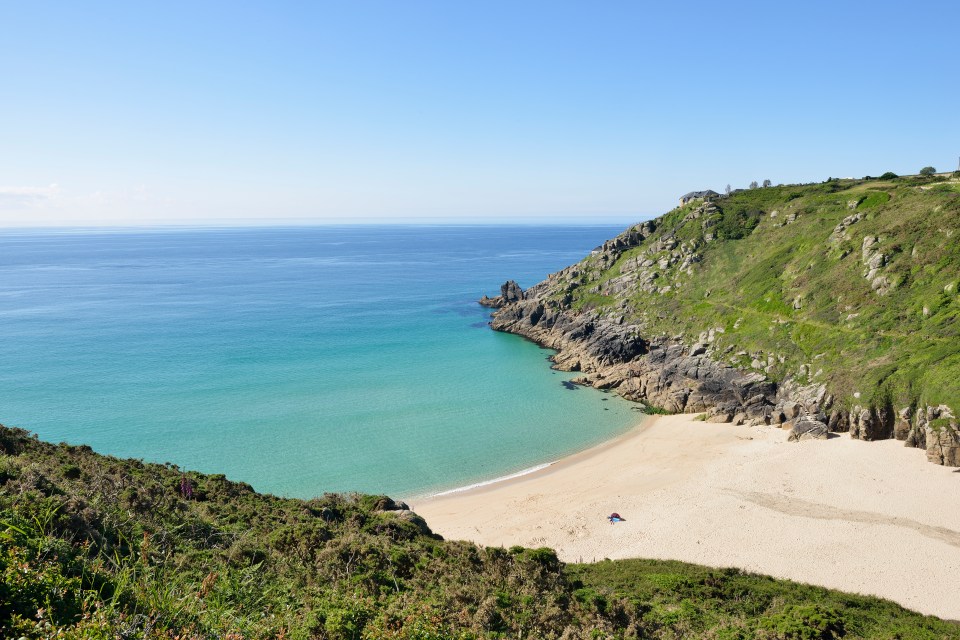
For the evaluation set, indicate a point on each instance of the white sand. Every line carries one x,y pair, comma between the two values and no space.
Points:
866,517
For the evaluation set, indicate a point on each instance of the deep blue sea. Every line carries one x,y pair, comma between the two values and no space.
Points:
300,360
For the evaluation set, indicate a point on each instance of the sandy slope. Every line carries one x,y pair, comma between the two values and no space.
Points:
872,518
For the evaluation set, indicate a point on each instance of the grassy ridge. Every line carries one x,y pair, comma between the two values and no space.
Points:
781,285
699,601
96,547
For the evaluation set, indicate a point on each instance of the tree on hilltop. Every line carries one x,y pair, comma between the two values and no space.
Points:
927,171
754,185
728,189
766,183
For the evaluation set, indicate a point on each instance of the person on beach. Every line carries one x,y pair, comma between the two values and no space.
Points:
615,517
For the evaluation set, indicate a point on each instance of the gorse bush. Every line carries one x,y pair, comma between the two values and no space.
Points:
119,546
804,622
95,547
683,600
737,221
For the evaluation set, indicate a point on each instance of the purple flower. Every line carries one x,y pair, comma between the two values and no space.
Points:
186,488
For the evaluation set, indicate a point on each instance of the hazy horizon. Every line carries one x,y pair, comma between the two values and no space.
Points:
225,115
280,223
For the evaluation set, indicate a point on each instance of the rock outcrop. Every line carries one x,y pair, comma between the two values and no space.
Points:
662,374
401,510
809,428
939,434
874,260
669,375
510,292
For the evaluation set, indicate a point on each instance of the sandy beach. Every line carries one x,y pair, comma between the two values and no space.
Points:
866,517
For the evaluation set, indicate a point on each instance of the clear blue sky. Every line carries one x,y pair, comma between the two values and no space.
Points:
199,112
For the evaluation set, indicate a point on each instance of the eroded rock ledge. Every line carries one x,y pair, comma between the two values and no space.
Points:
685,378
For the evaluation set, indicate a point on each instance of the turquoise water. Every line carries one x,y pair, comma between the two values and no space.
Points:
300,360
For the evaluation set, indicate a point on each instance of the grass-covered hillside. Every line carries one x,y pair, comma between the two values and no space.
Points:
96,547
854,284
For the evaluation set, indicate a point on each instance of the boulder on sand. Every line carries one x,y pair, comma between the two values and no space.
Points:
808,428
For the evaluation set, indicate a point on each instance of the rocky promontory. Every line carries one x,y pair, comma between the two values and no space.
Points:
662,374
660,314
509,292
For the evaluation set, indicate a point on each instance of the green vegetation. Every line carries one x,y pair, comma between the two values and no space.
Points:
737,221
695,601
873,199
927,171
783,277
96,547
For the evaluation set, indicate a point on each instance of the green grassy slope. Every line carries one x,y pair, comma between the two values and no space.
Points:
788,292
695,601
96,547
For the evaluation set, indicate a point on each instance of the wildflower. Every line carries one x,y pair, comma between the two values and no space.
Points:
186,488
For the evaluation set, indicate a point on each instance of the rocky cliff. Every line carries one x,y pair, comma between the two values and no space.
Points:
795,306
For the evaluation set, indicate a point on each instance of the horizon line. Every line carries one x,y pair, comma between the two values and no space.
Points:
281,224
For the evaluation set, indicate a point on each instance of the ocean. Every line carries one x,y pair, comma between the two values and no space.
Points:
301,360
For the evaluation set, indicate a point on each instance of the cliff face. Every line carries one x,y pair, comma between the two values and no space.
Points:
662,374
766,308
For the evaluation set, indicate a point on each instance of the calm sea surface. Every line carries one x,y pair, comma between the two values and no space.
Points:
300,360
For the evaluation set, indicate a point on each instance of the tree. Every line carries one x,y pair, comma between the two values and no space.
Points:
728,190
889,175
766,183
754,185
927,171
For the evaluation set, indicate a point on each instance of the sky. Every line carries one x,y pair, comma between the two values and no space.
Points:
136,113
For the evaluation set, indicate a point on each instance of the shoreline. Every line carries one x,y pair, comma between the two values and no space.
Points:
493,481
538,470
864,517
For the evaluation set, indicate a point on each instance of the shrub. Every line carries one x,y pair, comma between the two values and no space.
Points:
652,410
873,199
71,471
545,557
737,222
347,621
889,175
927,171
8,470
805,622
